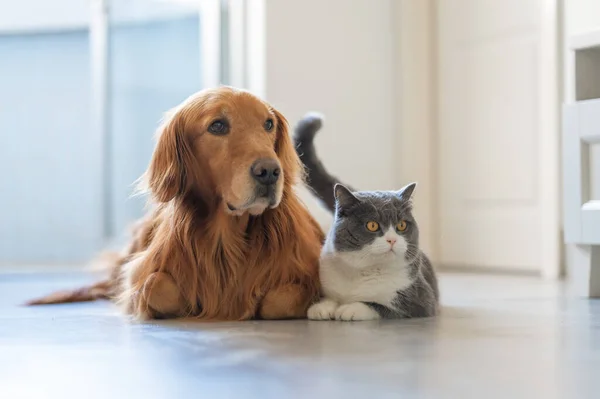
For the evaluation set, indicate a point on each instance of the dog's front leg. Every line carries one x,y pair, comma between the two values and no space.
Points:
162,296
151,295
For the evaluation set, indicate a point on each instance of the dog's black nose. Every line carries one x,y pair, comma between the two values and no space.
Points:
265,171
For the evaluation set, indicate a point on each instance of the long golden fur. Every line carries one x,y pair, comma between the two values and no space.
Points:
210,247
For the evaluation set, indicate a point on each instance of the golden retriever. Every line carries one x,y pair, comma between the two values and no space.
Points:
227,238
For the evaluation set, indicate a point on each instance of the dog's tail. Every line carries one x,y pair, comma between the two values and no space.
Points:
317,176
100,290
105,289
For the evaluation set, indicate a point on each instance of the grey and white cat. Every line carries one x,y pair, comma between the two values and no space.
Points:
371,264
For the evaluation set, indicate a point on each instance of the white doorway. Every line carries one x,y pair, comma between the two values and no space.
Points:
497,172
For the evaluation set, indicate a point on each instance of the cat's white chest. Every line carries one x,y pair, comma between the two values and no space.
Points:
378,283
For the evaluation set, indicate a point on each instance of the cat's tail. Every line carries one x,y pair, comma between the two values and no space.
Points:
317,176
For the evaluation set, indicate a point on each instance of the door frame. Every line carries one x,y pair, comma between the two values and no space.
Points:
550,91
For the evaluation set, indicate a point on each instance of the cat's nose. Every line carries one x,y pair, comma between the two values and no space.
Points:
391,241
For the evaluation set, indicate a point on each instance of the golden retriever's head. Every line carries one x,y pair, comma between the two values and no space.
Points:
226,145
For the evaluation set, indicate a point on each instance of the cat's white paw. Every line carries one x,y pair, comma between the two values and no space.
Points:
323,310
356,311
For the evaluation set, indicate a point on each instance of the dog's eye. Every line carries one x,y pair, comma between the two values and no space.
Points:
218,127
269,125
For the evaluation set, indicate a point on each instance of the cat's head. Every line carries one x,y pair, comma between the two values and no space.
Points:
374,226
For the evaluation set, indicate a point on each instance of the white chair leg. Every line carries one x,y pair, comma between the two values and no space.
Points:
583,275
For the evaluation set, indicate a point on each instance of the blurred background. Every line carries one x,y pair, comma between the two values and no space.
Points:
462,96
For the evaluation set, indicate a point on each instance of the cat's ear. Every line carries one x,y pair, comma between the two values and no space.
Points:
406,192
344,198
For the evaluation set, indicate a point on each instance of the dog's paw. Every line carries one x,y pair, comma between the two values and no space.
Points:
162,293
159,298
324,310
356,311
286,302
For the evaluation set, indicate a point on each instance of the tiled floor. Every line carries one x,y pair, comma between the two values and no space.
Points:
498,337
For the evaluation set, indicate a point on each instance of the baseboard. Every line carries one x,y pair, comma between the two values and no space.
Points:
487,270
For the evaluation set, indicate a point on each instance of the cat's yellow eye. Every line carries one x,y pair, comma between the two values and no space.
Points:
401,226
372,226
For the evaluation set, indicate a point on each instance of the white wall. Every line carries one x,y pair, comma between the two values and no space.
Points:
581,16
336,57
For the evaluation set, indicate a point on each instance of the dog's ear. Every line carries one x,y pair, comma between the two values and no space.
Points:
166,176
290,162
